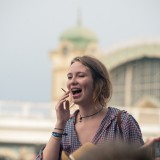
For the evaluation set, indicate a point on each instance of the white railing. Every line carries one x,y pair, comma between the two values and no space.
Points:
26,109
39,118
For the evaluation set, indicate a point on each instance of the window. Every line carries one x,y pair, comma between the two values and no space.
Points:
144,81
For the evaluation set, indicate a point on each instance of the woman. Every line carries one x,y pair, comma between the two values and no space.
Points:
90,88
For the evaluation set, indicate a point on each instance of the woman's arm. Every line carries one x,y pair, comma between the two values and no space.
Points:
52,148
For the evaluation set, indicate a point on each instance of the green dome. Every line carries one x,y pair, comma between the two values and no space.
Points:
79,36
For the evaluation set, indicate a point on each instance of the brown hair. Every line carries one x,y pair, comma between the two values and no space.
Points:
102,84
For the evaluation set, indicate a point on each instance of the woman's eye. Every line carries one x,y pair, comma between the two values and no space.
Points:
69,77
81,75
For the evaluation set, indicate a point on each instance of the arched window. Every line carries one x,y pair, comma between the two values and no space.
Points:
134,80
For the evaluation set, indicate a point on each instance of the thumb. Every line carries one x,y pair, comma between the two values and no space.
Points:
67,105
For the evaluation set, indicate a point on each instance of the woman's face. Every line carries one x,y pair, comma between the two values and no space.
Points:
80,83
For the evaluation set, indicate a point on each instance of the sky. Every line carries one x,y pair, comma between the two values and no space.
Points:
30,29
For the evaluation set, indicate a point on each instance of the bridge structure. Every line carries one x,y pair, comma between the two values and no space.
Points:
26,126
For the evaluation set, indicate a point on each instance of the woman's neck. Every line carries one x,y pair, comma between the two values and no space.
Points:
87,113
89,109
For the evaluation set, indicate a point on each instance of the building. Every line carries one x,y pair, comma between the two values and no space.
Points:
135,76
73,42
134,70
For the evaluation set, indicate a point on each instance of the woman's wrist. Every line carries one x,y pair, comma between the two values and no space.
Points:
58,131
59,126
58,135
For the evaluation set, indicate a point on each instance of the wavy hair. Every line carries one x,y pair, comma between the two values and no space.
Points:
101,79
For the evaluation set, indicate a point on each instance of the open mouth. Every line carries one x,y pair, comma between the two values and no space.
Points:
76,91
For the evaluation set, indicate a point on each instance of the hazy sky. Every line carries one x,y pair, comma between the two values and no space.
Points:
29,29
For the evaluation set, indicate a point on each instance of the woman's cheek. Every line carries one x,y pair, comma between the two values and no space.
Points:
67,85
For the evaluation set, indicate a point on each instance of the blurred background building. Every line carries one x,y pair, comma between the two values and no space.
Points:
134,68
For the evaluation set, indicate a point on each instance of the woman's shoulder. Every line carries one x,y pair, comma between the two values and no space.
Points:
126,117
114,111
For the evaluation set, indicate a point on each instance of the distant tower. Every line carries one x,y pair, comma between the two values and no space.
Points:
74,41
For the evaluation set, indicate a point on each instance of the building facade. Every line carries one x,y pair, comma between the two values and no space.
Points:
134,71
74,41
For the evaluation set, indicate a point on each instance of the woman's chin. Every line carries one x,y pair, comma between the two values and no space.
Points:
77,101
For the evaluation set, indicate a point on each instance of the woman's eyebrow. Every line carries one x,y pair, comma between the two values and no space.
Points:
69,74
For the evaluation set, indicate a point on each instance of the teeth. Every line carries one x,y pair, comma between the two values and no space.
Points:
76,90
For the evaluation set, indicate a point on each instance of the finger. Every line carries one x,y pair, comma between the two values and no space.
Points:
66,95
67,105
66,92
61,103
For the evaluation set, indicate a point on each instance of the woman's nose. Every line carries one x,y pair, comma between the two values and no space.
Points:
74,81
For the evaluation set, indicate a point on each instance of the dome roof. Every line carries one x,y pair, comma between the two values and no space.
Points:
79,36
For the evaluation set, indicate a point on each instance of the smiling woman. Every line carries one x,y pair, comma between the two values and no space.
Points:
94,122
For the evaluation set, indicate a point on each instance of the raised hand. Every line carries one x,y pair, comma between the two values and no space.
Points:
62,110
